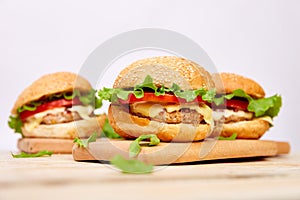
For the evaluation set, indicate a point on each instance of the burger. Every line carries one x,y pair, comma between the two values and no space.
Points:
246,111
167,96
176,100
57,105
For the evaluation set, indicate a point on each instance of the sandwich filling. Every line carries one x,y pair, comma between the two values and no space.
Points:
173,113
58,115
56,108
237,110
158,103
231,116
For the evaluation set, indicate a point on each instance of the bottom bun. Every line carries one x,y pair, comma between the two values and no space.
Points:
132,126
252,129
81,128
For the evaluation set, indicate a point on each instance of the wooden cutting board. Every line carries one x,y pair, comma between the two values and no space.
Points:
34,145
167,153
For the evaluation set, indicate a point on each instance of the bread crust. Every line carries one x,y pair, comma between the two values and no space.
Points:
252,129
228,82
51,84
81,128
131,126
165,70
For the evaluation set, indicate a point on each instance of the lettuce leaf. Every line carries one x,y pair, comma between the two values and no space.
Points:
188,95
269,106
239,93
15,123
131,166
85,142
68,96
32,155
135,148
31,106
232,137
112,94
147,83
109,132
86,99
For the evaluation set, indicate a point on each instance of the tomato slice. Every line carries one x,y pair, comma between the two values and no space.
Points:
151,97
236,104
170,98
49,105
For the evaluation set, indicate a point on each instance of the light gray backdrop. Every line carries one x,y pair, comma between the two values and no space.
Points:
255,38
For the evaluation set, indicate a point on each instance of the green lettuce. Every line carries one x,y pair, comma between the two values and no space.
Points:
112,94
109,132
131,166
31,107
269,106
232,137
86,99
85,142
32,155
15,123
135,148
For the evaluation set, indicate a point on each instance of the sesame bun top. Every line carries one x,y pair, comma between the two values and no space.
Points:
228,82
165,70
50,84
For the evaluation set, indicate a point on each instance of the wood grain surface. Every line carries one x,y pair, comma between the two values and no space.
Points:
33,145
166,153
60,177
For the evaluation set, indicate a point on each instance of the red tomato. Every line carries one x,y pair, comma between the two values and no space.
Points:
49,105
170,98
236,104
151,97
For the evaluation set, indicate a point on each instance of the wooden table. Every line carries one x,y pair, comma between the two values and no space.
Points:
59,177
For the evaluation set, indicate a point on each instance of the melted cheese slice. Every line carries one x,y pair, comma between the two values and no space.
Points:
206,111
153,110
46,112
147,109
35,120
83,111
246,115
240,113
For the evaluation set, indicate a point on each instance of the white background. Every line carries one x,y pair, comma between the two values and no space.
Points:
255,38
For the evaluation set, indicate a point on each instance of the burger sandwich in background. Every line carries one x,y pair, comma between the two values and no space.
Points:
56,106
246,111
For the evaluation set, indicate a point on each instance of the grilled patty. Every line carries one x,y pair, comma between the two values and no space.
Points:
62,117
185,115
